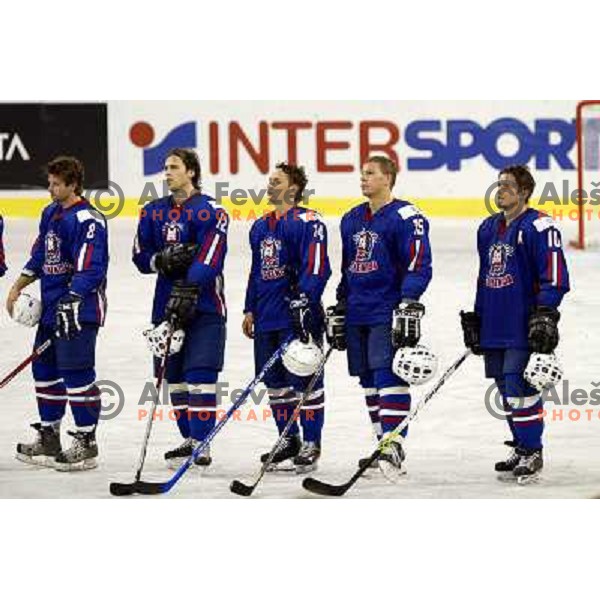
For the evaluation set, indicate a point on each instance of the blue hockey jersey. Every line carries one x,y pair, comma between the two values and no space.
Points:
521,266
71,254
198,220
289,257
386,257
2,258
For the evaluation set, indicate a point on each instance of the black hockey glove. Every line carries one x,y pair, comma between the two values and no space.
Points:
471,326
67,316
335,321
406,324
175,260
301,317
181,306
543,329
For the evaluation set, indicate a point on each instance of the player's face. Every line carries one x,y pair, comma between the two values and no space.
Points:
507,197
279,190
373,181
177,175
59,190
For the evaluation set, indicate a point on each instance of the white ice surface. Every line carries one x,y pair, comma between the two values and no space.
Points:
451,447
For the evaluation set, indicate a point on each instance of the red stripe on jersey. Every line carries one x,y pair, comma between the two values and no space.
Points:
420,257
88,256
412,252
217,254
205,247
549,267
558,270
311,258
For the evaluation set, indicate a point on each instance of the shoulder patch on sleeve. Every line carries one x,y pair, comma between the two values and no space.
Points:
310,216
408,211
543,223
87,214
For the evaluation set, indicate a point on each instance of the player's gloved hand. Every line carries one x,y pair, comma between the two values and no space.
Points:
181,306
471,326
67,316
175,260
335,321
543,329
301,317
406,324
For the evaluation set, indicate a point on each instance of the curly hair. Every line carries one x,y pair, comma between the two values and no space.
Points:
297,176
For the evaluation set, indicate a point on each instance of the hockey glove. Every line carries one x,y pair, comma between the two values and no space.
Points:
543,329
67,316
181,306
301,317
471,326
175,260
336,326
406,324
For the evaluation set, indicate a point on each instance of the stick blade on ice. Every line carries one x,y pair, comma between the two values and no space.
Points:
241,489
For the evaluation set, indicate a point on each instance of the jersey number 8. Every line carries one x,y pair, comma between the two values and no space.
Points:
91,231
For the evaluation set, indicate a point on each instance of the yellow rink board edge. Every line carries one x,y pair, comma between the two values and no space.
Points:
249,210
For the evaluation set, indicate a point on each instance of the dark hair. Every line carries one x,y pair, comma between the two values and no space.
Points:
191,161
523,177
297,176
69,169
387,167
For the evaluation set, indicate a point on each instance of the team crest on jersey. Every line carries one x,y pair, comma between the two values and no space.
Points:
363,262
497,277
270,268
53,263
52,244
172,232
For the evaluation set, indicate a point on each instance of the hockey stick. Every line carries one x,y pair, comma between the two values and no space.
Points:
127,489
153,488
241,489
326,489
35,354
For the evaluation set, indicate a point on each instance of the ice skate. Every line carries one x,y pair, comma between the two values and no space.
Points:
82,454
204,459
176,457
44,449
531,463
392,459
283,458
307,459
505,468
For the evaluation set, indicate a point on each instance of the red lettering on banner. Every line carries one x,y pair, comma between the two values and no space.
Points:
292,128
323,146
260,157
213,146
368,148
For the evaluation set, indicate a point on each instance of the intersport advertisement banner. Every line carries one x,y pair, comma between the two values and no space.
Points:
448,152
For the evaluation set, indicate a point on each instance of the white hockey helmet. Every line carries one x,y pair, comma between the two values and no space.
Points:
27,310
302,359
543,371
157,337
415,365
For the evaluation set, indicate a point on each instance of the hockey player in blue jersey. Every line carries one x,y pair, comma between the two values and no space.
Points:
290,268
2,257
386,268
70,259
182,238
522,279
